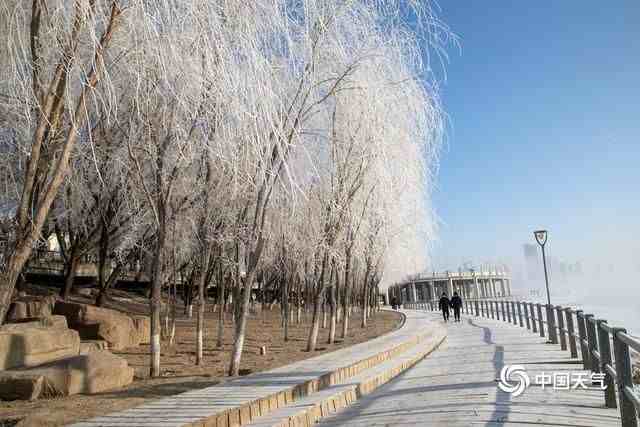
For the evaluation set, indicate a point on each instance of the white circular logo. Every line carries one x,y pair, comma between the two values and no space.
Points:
514,380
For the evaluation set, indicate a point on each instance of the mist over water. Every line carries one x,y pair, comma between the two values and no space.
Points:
614,297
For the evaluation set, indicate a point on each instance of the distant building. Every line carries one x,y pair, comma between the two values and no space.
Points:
531,261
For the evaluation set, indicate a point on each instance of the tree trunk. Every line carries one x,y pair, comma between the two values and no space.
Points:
317,306
202,278
332,315
298,301
156,298
71,274
365,297
285,303
222,302
324,315
241,326
172,326
315,323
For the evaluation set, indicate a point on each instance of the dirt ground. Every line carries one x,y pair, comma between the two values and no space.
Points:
178,365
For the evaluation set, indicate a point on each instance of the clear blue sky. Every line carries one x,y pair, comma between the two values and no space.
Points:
544,101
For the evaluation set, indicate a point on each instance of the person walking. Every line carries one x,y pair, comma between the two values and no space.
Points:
444,306
456,303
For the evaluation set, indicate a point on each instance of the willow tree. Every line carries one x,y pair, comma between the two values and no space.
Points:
55,57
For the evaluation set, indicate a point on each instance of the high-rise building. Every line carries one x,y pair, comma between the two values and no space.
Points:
531,261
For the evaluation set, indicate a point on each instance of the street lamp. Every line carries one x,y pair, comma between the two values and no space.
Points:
541,238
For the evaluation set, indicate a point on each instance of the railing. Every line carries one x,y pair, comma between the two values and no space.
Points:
595,338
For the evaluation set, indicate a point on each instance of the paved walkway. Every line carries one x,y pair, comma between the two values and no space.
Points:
192,406
457,385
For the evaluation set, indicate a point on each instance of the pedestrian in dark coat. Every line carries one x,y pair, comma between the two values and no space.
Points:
456,303
444,306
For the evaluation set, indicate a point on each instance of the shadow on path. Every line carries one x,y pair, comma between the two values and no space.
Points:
503,399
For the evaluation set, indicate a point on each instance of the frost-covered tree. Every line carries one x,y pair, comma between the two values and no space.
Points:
286,145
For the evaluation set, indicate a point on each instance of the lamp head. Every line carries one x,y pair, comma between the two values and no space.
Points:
541,236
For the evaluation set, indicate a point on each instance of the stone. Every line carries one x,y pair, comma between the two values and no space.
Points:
85,292
36,345
31,306
143,328
56,322
92,346
23,386
87,373
97,323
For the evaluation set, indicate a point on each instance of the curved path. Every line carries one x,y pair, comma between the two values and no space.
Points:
238,400
457,385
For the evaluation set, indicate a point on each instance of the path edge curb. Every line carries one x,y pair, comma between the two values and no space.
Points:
243,414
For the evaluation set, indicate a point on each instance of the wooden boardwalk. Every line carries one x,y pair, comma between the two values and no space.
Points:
457,385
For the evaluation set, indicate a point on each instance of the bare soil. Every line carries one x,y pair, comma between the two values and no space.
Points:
179,371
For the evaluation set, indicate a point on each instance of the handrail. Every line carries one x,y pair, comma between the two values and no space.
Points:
604,349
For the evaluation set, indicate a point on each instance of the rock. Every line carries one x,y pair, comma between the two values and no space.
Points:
143,329
29,307
85,292
36,345
88,373
92,346
56,322
96,323
21,385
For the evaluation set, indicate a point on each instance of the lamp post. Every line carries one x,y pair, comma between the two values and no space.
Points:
541,238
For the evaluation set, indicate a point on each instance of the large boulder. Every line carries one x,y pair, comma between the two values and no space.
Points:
87,292
23,386
90,373
59,322
31,307
31,346
96,323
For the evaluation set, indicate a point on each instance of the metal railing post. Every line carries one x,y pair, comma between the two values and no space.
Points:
497,304
582,334
605,360
525,307
519,306
625,379
571,332
563,338
534,325
506,303
551,324
590,324
540,321
477,307
504,318
513,313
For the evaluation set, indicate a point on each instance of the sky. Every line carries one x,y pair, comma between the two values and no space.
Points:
543,99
